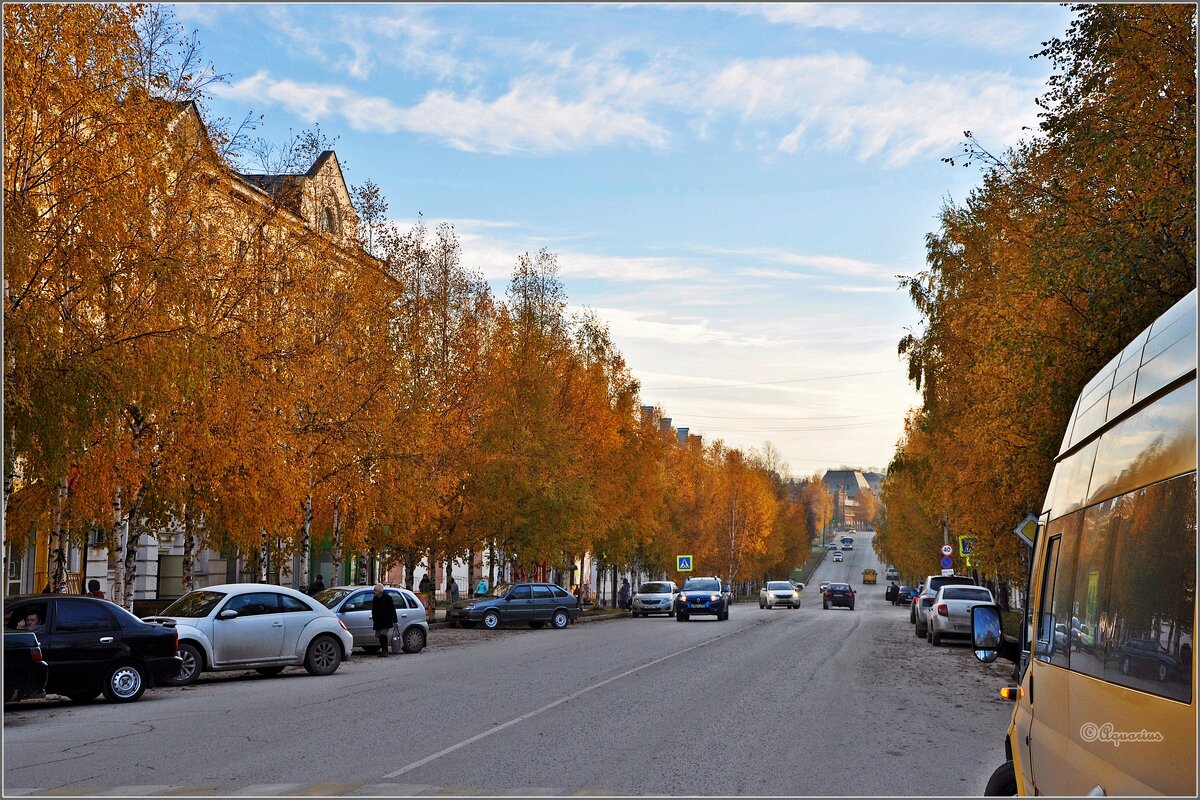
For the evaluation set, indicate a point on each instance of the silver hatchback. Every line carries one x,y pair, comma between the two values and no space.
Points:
352,604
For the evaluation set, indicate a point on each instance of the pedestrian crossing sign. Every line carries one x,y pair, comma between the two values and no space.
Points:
683,563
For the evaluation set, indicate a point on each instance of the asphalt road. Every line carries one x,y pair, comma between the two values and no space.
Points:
771,702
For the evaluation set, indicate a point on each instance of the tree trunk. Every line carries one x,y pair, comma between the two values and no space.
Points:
116,545
335,578
58,541
306,541
132,537
410,568
188,538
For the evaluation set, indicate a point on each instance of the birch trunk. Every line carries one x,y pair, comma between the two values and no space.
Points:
133,537
116,546
305,540
335,578
189,524
58,541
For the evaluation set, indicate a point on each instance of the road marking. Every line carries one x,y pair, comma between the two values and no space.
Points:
504,725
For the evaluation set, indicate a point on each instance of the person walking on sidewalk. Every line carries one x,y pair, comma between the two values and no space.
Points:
623,595
452,590
383,619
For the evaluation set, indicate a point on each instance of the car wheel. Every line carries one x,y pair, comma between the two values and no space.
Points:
560,620
825,605
1162,672
324,656
83,697
1125,665
414,640
912,616
491,620
681,617
929,635
269,671
193,665
371,649
539,623
125,683
920,634
1003,782
761,605
852,606
935,638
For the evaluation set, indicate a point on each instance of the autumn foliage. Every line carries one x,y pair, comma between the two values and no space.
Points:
1074,242
186,363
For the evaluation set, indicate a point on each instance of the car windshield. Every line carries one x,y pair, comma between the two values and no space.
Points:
779,586
500,590
331,597
654,588
965,593
194,604
702,585
841,587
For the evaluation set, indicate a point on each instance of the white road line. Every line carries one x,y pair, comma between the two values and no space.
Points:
559,702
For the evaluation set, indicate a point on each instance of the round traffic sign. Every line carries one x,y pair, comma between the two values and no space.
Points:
947,550
947,562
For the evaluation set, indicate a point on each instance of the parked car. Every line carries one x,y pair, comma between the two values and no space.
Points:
94,646
951,614
1148,657
255,626
782,593
838,594
904,596
534,604
352,604
703,596
654,597
837,556
924,601
892,574
25,669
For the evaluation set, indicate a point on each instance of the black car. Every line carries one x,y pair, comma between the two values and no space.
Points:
1148,657
515,603
838,594
25,670
95,646
904,596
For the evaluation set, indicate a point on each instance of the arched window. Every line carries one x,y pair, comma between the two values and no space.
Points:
328,222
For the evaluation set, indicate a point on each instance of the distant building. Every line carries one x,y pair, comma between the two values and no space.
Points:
845,485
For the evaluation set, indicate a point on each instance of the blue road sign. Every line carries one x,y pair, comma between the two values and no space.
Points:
947,562
683,563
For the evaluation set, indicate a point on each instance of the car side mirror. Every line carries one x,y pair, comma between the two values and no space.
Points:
228,613
985,632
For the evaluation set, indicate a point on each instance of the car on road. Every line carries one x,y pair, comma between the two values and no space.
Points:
892,574
951,614
532,604
837,556
823,586
869,575
708,596
25,669
904,596
352,604
255,626
924,602
779,593
93,646
1147,657
838,594
654,597
833,546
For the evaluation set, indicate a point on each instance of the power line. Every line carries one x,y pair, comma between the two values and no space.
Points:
764,383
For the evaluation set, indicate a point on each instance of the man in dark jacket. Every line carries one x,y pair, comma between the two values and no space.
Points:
383,617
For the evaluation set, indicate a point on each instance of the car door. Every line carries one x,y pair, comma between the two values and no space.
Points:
405,606
356,614
82,640
518,606
295,614
255,634
544,603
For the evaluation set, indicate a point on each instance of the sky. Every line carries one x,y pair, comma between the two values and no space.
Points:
735,189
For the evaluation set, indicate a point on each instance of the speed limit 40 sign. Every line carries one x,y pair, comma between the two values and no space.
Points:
947,550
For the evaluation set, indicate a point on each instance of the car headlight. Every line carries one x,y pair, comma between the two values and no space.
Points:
469,607
714,597
683,598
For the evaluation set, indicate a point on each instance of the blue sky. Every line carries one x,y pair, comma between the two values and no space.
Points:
733,188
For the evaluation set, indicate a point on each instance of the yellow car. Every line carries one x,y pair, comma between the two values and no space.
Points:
869,575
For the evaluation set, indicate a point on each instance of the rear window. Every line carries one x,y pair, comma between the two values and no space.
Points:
194,604
966,593
655,588
841,587
939,581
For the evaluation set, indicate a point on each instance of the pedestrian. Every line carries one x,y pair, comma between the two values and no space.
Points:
426,585
481,587
383,618
623,596
318,585
452,590
94,589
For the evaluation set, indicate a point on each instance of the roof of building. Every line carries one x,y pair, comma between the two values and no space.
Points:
851,479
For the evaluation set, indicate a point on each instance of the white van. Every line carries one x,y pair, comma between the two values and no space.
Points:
1107,698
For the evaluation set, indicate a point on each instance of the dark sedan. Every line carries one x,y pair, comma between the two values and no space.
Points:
95,646
904,596
534,604
838,594
25,670
1148,657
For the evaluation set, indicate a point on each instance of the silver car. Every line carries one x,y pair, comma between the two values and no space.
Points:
950,614
654,597
352,604
779,593
255,626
